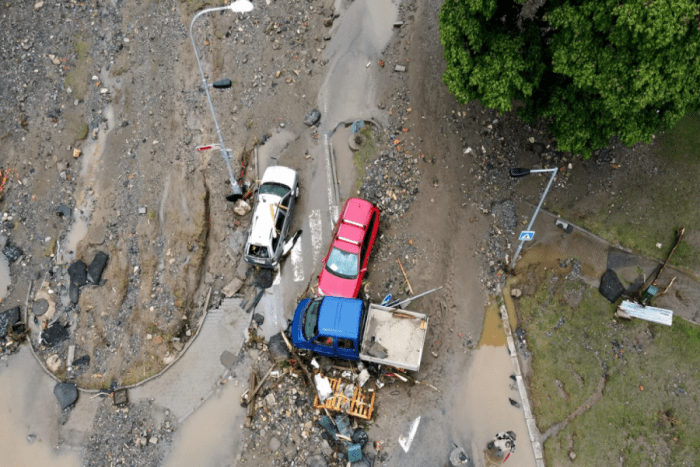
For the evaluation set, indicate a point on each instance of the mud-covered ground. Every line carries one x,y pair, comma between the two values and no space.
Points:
101,109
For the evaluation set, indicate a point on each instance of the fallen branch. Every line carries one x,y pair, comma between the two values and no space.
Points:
410,289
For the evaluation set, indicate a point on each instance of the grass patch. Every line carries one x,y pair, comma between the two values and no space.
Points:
77,78
681,141
648,410
367,152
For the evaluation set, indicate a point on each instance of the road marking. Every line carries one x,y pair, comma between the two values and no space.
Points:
298,262
316,234
329,175
406,442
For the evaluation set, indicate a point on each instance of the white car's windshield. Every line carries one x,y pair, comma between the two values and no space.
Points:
343,264
276,189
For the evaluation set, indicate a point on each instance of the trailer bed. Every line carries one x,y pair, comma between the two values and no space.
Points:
394,337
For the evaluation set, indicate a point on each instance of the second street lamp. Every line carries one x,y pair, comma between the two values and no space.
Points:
240,6
520,172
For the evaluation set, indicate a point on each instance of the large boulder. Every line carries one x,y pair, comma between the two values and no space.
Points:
66,393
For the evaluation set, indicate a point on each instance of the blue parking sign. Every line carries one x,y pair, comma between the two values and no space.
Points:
526,235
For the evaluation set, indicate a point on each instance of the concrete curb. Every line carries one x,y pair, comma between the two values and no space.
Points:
522,389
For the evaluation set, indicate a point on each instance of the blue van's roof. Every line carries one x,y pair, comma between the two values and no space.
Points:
340,317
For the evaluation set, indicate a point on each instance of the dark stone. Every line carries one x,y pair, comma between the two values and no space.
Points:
258,318
54,334
98,264
74,293
610,286
278,348
82,361
63,211
78,273
40,307
7,319
312,118
12,252
66,393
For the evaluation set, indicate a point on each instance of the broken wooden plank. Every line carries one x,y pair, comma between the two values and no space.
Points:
647,313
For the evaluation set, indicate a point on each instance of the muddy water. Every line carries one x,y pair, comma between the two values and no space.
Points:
492,332
28,410
210,434
349,90
487,409
4,276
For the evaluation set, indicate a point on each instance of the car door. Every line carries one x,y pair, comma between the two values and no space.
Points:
323,345
367,244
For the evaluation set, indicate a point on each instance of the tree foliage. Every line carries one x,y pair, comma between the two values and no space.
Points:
592,68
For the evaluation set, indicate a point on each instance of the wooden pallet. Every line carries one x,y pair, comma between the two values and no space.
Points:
361,405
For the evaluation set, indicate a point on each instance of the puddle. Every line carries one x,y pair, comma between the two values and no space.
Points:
28,408
486,407
4,276
213,433
349,90
269,153
91,158
492,332
345,168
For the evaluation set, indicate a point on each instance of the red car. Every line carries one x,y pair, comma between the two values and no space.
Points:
345,265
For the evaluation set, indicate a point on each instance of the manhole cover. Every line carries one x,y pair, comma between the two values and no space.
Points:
40,306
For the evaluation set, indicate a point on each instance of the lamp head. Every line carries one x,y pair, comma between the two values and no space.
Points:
241,6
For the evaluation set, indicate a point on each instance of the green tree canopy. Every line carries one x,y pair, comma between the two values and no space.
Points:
592,68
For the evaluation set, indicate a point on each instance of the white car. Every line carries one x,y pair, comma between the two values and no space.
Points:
272,217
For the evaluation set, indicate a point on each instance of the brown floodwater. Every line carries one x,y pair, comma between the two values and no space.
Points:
29,414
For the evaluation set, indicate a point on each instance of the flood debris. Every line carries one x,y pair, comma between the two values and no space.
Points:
120,398
54,334
7,319
629,310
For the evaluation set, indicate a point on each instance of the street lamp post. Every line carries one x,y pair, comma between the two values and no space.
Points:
518,172
239,6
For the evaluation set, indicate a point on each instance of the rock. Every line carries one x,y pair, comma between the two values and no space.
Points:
76,153
63,211
227,359
7,319
610,286
94,272
73,293
326,448
53,363
516,293
66,393
31,438
258,318
81,361
38,6
316,461
153,440
328,22
241,207
275,444
54,334
312,118
400,68
232,287
572,455
270,400
78,273
12,252
177,344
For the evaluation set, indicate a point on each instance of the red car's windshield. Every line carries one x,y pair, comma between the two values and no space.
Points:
343,264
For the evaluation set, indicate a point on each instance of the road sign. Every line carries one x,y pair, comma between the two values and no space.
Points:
208,146
526,235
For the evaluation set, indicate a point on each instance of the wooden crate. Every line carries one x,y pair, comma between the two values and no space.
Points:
361,405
